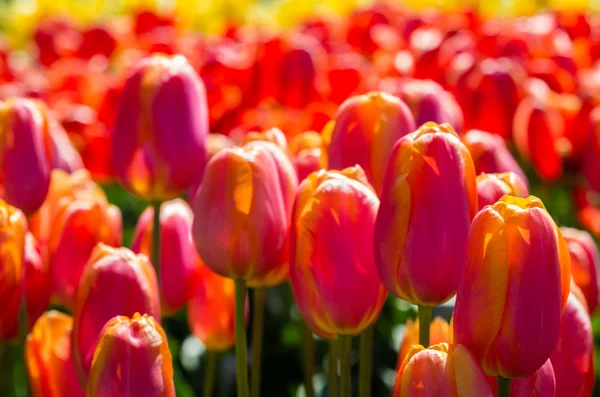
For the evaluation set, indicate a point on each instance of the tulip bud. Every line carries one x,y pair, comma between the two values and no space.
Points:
514,287
573,355
48,355
439,332
38,285
365,131
490,154
114,282
441,370
332,270
162,121
241,213
64,155
132,359
491,187
541,383
428,200
25,153
180,263
307,153
273,135
584,264
589,165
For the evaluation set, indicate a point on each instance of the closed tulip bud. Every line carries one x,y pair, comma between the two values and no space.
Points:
114,282
573,355
64,155
332,270
158,136
365,131
491,187
180,263
430,177
241,213
490,154
38,285
307,152
132,359
584,264
25,153
590,165
442,370
273,135
439,332
514,287
541,383
48,355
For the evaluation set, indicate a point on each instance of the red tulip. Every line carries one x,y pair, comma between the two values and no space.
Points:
541,383
114,282
180,263
332,269
590,165
132,359
420,238
158,137
491,187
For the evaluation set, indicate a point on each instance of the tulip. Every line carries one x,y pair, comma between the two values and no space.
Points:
490,154
541,383
38,286
74,218
589,164
584,264
64,155
366,128
573,355
307,153
439,333
441,370
273,135
491,187
161,123
25,152
114,282
332,269
514,287
132,359
48,355
180,263
430,177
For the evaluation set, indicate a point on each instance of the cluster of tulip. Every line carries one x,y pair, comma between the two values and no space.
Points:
352,157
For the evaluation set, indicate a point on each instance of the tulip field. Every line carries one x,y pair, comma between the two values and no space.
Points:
299,198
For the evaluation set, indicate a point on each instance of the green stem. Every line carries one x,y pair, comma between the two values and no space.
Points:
424,321
6,370
345,343
240,338
308,347
503,387
258,320
209,372
156,242
365,366
333,369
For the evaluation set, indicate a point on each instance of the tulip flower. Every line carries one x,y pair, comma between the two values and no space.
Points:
48,355
490,154
491,187
25,152
161,123
439,333
584,264
589,164
441,370
365,131
541,383
307,153
74,218
514,287
273,135
421,261
38,285
573,355
180,263
114,282
132,359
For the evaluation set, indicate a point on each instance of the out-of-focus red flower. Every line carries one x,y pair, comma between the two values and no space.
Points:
587,202
590,166
273,135
48,355
55,38
132,359
96,40
491,187
114,282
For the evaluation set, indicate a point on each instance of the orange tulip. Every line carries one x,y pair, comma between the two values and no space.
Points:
332,270
180,263
158,137
514,287
307,153
365,131
442,370
428,200
48,354
439,333
273,135
132,359
114,282
491,187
